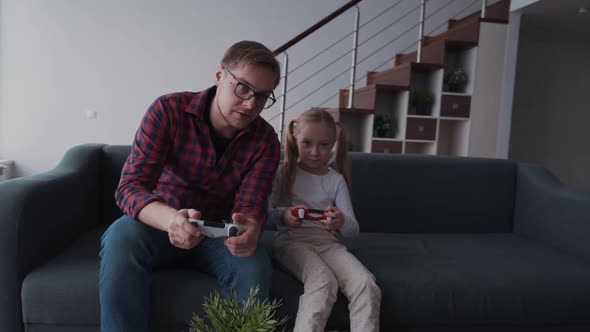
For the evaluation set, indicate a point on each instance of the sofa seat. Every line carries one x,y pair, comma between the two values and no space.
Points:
474,279
48,291
426,279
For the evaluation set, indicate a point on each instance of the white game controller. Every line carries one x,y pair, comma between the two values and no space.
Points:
217,228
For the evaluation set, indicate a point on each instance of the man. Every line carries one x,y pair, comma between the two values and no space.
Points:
200,155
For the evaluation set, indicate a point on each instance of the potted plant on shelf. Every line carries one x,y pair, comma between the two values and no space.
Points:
384,126
455,79
422,101
230,315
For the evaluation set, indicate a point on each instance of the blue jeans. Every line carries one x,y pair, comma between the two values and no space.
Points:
130,250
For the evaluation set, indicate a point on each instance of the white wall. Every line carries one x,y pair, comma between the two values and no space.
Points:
551,111
60,58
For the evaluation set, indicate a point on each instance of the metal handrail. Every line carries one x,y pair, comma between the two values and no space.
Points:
283,95
354,52
348,34
315,27
421,30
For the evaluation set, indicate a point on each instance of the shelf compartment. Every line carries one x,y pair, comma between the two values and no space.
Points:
456,106
419,147
386,146
421,128
453,137
463,58
356,122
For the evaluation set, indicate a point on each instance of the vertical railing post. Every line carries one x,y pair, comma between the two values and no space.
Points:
421,31
283,96
354,51
483,8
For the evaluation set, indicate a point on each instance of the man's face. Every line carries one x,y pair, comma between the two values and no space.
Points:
242,92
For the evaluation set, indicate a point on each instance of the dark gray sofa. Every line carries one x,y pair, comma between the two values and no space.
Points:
455,244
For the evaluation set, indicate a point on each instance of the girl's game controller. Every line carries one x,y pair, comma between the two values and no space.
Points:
310,214
217,228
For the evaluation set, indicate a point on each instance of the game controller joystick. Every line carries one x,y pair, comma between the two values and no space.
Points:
310,214
217,228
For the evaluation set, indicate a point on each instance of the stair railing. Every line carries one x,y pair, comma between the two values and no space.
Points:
483,8
421,30
354,50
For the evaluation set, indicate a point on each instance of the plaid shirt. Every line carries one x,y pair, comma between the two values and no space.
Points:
173,160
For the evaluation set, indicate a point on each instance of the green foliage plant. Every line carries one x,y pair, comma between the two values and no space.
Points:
232,315
455,79
382,125
422,100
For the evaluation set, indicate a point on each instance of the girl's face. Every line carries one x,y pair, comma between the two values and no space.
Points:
314,143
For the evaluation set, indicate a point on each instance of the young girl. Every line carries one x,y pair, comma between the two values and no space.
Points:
309,248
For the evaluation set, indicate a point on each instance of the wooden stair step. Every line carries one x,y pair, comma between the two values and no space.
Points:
365,97
354,110
498,12
398,59
433,50
452,23
465,30
399,76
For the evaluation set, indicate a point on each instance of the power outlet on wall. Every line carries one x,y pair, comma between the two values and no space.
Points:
91,114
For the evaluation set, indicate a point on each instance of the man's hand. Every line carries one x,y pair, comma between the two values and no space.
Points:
180,231
289,219
246,243
337,219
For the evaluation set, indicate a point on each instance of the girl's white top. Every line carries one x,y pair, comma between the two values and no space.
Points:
314,192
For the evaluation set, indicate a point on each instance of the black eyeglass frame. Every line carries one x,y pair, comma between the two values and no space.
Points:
254,94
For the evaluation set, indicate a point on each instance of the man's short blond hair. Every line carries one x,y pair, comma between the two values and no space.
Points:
251,53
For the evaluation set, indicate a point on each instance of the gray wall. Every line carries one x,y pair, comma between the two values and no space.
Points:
551,112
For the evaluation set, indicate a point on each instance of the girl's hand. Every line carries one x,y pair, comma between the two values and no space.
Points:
289,219
337,219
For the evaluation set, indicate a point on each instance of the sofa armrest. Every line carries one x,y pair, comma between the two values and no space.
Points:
550,212
40,215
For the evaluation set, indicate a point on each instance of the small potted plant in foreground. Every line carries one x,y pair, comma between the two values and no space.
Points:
455,79
232,315
422,101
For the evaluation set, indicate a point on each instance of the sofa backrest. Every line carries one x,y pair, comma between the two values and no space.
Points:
432,194
115,157
400,193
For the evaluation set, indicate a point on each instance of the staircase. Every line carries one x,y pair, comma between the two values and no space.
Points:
457,123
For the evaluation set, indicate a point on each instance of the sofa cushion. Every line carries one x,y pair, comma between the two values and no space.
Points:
52,294
474,279
417,190
425,279
411,193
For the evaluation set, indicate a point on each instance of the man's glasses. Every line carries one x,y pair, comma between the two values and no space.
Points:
245,92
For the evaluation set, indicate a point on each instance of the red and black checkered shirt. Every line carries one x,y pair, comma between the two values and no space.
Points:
173,160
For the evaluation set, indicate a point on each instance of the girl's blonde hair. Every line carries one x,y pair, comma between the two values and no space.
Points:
287,169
